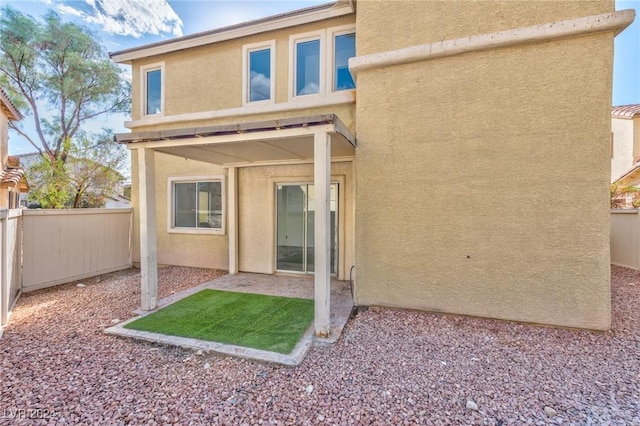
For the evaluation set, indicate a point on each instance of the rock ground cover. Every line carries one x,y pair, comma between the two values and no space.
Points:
389,367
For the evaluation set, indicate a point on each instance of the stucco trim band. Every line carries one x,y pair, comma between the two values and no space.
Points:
613,21
346,97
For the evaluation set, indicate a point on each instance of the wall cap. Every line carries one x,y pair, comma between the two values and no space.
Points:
612,21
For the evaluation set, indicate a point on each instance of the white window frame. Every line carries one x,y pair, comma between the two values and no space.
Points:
194,179
143,89
327,59
341,237
246,80
301,38
332,32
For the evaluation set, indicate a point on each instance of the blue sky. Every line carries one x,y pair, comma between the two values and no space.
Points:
127,23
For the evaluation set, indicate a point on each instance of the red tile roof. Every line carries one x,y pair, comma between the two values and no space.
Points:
10,177
13,175
626,111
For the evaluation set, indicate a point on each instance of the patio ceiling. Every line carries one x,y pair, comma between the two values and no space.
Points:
255,143
252,152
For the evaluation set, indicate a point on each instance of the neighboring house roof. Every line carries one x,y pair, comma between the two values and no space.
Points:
626,187
630,177
119,198
13,175
27,159
274,22
8,107
626,111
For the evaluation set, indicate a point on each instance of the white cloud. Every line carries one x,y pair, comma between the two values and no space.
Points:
260,86
68,10
311,88
134,18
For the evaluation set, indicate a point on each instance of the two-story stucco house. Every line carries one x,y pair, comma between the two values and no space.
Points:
12,180
383,141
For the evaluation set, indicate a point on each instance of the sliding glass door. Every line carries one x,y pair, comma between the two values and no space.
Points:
295,228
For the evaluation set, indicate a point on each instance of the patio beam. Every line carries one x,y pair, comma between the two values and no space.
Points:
322,183
148,246
233,219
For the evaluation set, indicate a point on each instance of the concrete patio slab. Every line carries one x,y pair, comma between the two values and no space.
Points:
274,285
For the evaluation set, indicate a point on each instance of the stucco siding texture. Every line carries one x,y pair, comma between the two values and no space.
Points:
4,139
257,209
209,77
384,25
4,154
197,250
463,169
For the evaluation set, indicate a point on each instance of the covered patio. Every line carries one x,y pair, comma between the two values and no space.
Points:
316,140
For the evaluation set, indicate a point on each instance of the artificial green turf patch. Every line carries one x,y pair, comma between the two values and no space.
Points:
271,323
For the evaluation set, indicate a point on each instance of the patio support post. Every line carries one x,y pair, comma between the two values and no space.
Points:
148,247
322,184
233,219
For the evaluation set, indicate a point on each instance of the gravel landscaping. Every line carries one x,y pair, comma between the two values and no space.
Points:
389,367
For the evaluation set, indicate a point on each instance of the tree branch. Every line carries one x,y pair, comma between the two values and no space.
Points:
24,135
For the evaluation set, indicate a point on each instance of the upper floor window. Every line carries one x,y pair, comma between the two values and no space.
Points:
153,93
319,61
306,64
259,72
344,48
307,70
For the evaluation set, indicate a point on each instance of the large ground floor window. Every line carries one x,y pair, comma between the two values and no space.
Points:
197,205
295,241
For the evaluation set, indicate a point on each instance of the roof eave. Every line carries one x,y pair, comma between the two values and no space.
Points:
275,22
8,107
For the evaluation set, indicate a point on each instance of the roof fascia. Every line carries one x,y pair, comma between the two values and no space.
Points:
236,31
8,107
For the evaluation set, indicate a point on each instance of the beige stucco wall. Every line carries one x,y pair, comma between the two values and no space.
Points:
4,138
256,214
623,149
206,251
636,137
4,153
463,171
382,27
256,198
209,77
